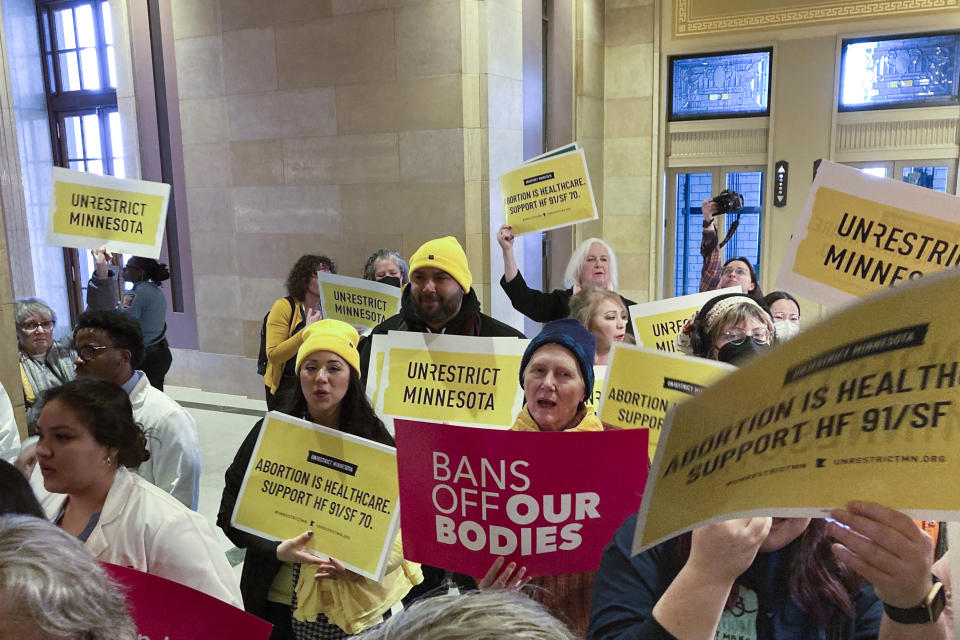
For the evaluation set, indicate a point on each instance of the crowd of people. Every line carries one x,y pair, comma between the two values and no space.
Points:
114,470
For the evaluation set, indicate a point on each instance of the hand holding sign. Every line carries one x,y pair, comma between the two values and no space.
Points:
726,549
296,550
102,258
505,579
885,547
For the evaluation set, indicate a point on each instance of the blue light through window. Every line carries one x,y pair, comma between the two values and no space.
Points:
720,85
900,72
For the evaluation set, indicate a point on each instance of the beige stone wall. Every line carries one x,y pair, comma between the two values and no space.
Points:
324,127
615,85
629,143
588,109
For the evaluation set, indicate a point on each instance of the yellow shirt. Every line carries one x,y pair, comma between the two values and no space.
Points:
280,345
353,602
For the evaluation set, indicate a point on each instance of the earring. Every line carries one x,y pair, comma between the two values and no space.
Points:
108,460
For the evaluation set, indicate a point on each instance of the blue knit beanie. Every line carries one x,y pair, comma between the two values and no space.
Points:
574,336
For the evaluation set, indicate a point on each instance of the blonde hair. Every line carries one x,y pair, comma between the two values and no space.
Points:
584,305
571,275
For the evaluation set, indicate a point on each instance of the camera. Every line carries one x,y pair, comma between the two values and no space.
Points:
728,201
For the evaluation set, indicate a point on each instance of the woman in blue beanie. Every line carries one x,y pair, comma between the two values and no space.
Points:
556,374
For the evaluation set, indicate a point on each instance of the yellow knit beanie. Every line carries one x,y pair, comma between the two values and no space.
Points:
447,255
330,335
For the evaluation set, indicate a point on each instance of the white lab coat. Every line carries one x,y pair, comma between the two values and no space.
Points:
9,434
145,528
172,440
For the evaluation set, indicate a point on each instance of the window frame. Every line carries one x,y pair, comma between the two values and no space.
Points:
955,100
64,104
672,117
719,182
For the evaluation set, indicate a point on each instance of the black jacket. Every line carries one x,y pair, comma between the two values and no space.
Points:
544,307
261,565
468,322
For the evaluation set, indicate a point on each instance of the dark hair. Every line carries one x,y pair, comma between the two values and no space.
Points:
756,293
773,296
357,417
818,584
303,269
122,329
17,496
154,271
104,409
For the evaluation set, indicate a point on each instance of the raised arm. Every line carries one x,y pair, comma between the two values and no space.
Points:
505,237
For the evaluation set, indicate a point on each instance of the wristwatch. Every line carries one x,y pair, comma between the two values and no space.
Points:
927,611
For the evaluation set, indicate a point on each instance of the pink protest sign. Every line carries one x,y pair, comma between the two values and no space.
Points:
548,501
167,610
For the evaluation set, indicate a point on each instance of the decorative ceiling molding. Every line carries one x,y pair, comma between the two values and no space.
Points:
689,22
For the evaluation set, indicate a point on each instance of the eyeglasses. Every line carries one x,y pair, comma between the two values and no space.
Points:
760,334
792,317
739,271
90,351
30,327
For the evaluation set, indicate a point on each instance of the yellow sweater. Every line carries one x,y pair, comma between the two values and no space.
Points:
353,602
281,346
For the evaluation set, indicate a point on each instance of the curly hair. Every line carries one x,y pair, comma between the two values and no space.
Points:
49,579
104,409
123,329
370,268
305,268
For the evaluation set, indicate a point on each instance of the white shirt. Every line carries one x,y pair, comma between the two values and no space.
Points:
145,528
172,440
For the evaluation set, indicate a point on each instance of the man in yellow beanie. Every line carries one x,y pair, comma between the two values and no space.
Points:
439,298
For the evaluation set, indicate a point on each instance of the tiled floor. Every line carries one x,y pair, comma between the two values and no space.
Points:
223,421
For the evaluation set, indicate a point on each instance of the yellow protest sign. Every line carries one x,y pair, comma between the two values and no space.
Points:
461,379
863,405
859,234
89,210
551,192
656,324
305,476
361,303
599,375
643,384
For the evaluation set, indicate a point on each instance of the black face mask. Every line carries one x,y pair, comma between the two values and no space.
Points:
739,351
391,280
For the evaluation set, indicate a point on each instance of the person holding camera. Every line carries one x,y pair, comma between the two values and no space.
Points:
735,271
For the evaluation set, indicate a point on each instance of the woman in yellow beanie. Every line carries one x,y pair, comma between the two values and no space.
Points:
324,600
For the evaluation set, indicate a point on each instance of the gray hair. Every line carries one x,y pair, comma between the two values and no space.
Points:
476,615
49,578
369,269
24,308
571,275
